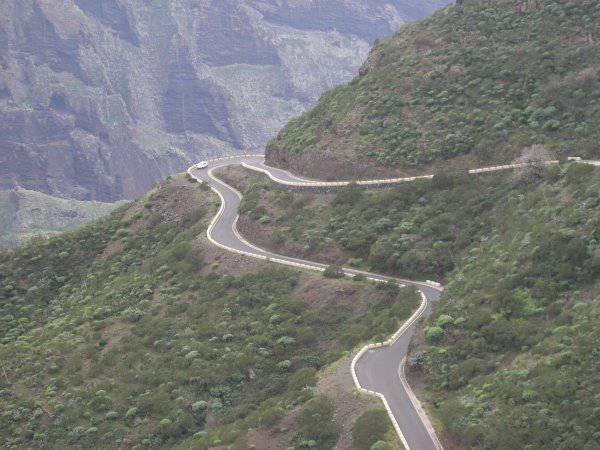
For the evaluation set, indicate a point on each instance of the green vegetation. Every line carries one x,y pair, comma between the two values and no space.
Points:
477,82
332,271
126,333
7,212
370,428
317,427
510,357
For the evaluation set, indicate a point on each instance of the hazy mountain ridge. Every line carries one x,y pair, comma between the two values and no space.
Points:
25,214
100,98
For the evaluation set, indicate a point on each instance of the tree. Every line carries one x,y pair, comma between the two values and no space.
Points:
534,160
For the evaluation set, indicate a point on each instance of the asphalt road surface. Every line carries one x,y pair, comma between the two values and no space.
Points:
377,370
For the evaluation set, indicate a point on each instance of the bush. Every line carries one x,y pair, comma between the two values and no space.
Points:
112,415
133,314
381,445
444,320
307,376
316,422
442,180
577,171
369,428
434,334
199,406
333,271
360,277
271,416
131,412
348,195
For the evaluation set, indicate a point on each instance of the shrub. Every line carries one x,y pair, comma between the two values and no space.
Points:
359,277
315,421
133,314
271,416
369,428
348,195
434,334
355,262
199,406
577,171
112,415
307,376
286,340
131,412
333,271
381,445
442,180
444,320
180,251
284,365
534,157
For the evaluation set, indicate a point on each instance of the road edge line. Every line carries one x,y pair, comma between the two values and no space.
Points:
418,405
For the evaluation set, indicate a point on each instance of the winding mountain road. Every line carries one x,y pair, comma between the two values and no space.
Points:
377,369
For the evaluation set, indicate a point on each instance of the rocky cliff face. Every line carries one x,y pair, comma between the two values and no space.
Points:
99,98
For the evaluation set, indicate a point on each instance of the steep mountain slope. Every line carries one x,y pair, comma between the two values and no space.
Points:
509,358
468,85
136,332
98,99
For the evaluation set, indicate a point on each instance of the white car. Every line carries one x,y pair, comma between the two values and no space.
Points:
202,165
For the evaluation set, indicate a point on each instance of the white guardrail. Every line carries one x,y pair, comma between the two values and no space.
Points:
384,181
235,250
417,314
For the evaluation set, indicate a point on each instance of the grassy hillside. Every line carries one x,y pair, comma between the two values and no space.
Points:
25,214
509,358
467,86
135,332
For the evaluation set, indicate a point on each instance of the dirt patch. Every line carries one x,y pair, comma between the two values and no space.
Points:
112,248
238,176
337,383
223,262
324,293
273,438
178,197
